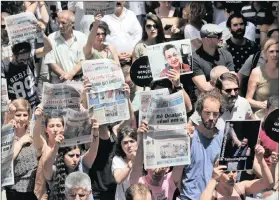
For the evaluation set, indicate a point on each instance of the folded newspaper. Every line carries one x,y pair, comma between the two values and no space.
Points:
4,95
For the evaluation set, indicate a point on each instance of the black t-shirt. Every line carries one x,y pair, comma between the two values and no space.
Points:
240,53
103,182
21,81
203,63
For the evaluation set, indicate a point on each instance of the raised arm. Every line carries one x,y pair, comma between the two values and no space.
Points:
91,37
44,12
50,157
234,137
90,155
38,140
30,6
136,172
274,168
47,44
255,186
86,88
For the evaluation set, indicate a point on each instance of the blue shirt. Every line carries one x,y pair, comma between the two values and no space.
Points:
196,175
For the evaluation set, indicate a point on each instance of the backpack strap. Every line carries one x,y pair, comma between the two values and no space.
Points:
255,60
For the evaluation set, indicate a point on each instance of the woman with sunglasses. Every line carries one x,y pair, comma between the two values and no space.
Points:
25,152
152,34
223,184
96,47
265,28
123,153
60,162
264,80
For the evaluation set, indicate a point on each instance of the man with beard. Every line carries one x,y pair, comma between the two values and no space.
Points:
205,146
239,46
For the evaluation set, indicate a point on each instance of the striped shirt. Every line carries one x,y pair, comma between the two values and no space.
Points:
256,17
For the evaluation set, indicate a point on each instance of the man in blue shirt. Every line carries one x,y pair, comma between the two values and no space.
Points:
205,146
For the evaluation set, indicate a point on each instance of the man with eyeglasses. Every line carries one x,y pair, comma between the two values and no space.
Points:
208,56
78,186
205,146
239,46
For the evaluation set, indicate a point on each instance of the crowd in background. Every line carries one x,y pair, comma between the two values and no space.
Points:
235,77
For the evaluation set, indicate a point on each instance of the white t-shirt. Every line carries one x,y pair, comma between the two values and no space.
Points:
85,23
119,163
77,8
190,32
250,32
138,7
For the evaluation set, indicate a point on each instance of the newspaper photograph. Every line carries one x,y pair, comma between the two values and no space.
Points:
103,74
7,152
109,106
145,97
4,95
166,148
170,55
22,27
167,111
77,128
57,98
238,146
95,7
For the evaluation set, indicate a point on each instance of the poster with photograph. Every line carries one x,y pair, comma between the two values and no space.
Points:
22,27
170,55
166,148
4,95
238,146
95,7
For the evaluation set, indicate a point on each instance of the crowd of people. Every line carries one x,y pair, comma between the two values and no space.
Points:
235,77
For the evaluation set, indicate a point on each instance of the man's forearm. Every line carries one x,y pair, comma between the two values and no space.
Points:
56,69
76,69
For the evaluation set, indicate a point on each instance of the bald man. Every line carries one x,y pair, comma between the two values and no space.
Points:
216,72
64,60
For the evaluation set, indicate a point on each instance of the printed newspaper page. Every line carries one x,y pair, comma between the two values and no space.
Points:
77,128
107,97
166,148
7,152
22,27
167,111
170,55
238,146
4,95
145,98
95,7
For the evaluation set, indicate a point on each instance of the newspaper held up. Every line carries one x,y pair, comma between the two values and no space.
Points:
167,111
95,7
77,128
170,55
166,148
238,146
7,152
22,27
4,95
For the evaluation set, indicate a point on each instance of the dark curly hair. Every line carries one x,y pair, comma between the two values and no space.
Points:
161,36
122,133
61,173
194,12
103,25
215,95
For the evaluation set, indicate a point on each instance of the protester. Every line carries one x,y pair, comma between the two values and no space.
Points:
125,31
78,184
96,47
264,80
123,153
25,155
20,72
205,146
161,182
166,10
138,192
216,72
39,9
64,60
209,56
227,186
239,46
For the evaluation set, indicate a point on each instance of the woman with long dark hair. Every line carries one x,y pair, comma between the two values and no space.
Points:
124,151
152,33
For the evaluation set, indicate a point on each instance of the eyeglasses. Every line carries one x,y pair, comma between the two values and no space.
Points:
274,8
99,34
22,60
227,172
208,114
149,26
230,90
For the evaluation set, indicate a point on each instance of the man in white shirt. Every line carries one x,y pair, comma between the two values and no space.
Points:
64,60
125,31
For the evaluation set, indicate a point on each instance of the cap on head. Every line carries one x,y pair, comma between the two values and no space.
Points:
211,30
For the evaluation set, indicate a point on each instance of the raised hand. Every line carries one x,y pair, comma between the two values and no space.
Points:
143,128
127,90
259,151
174,76
39,112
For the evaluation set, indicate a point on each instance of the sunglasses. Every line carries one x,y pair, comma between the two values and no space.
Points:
23,60
274,8
149,26
230,90
227,172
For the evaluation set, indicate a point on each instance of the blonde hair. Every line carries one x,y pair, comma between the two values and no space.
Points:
269,43
22,105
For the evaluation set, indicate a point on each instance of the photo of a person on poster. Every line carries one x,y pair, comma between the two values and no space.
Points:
174,60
